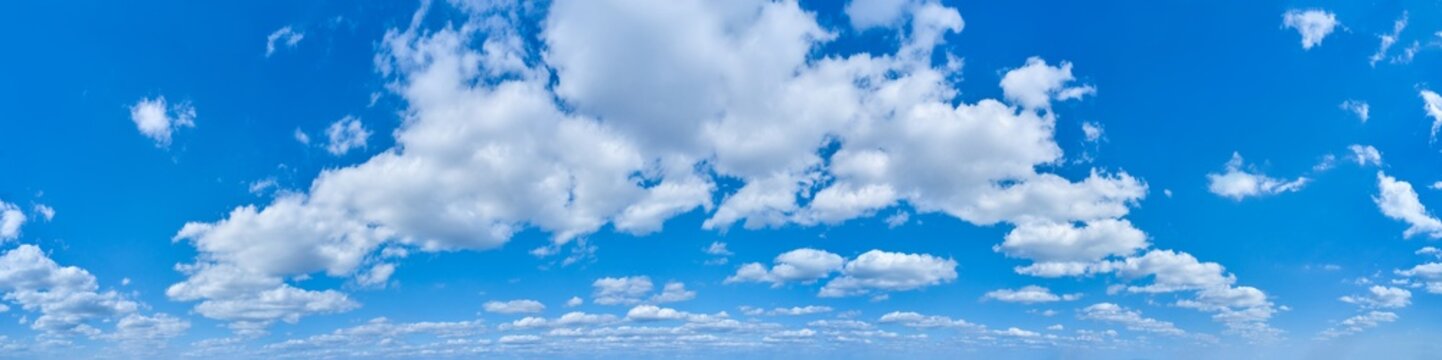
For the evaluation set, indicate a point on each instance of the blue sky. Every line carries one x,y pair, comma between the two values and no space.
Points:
756,179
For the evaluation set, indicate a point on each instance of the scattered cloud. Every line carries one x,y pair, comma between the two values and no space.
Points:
1313,24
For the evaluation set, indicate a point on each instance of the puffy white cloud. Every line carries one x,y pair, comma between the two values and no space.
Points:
514,306
1381,297
871,271
1366,154
157,121
1430,275
622,290
1398,201
69,302
626,115
1432,103
251,301
654,313
1031,294
1092,131
1313,24
1357,107
1243,310
284,36
1131,319
717,248
139,332
1066,249
673,292
1387,40
346,134
575,301
791,311
11,218
877,270
865,14
1358,324
800,265
916,320
1238,183
1036,84
570,319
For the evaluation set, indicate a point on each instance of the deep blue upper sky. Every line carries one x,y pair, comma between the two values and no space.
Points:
1037,179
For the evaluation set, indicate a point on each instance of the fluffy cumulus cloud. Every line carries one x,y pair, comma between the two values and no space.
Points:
800,265
877,270
1398,201
622,290
1432,104
346,134
1030,294
1131,319
1365,155
625,115
157,120
1313,24
1359,323
872,271
1239,182
11,218
67,301
1381,297
1036,84
514,306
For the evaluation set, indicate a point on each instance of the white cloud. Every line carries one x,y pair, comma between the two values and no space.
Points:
514,306
1131,319
346,134
575,301
1313,24
791,311
284,36
1381,297
1358,323
654,313
1398,201
1238,183
623,290
1387,40
1092,131
69,301
11,218
1030,294
157,121
1430,275
1432,103
873,270
301,136
877,270
1036,84
1366,154
800,265
659,102
251,301
1357,107
865,14
673,292
717,248
916,320
1065,249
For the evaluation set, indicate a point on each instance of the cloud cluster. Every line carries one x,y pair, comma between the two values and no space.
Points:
1238,182
1313,24
872,271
